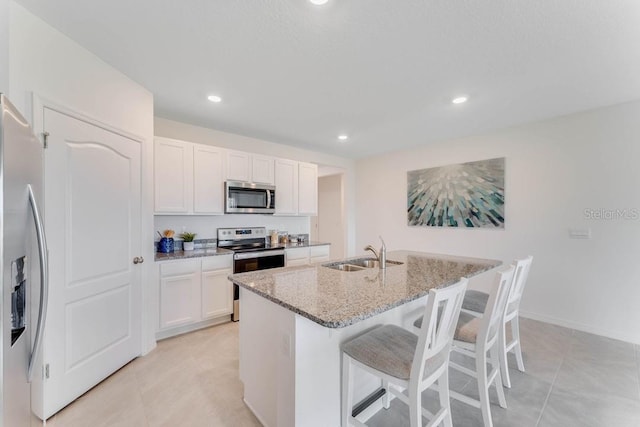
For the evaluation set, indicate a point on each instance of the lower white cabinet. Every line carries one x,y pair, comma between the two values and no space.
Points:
194,291
306,255
319,254
217,290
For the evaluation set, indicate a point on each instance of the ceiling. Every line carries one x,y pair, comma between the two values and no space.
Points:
383,72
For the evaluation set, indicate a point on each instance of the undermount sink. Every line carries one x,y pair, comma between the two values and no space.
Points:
358,264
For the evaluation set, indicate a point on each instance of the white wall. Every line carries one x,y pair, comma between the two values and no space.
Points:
4,46
554,171
45,62
207,225
330,217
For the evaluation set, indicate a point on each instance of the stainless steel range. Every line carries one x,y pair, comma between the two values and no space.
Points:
251,253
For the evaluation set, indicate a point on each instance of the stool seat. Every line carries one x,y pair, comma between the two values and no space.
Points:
390,349
466,329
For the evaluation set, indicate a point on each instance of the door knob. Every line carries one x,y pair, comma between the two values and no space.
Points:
138,260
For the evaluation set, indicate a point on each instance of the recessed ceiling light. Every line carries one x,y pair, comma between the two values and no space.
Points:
319,2
459,100
343,137
214,98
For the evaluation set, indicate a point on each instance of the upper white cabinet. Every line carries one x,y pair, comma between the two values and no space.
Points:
307,189
286,179
248,167
208,180
238,166
173,164
296,188
188,178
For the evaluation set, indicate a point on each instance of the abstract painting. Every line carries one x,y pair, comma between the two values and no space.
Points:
463,195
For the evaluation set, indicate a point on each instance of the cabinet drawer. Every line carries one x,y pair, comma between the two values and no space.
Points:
217,262
319,251
297,253
177,268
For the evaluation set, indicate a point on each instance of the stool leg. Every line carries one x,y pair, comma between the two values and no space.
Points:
386,399
515,331
495,363
347,398
415,406
504,364
445,402
483,387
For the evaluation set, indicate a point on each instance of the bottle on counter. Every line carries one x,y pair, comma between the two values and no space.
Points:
274,237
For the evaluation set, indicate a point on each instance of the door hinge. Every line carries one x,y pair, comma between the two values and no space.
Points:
46,371
45,139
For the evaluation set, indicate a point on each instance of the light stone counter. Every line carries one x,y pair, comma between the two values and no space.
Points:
336,299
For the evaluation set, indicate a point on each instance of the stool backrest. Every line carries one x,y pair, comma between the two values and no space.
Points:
438,325
496,305
522,267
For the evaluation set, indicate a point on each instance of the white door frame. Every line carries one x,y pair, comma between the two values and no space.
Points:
149,298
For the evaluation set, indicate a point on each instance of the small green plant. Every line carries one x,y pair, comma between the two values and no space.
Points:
188,237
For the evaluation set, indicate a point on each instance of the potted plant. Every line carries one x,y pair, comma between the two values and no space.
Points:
187,241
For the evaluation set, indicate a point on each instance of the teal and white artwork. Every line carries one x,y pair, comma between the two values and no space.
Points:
463,195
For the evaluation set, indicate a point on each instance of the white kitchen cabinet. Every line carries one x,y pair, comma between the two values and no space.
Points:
208,179
217,290
286,182
173,179
307,189
319,254
188,178
238,166
179,293
262,169
248,167
296,256
194,293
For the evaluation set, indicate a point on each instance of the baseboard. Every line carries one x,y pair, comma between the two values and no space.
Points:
168,333
616,335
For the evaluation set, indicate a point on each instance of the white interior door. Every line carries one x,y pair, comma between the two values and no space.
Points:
92,215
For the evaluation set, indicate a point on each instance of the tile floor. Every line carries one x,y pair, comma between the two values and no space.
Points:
572,379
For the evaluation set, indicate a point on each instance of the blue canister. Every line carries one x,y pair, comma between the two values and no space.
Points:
165,245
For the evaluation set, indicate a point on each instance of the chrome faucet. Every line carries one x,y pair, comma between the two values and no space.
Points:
381,256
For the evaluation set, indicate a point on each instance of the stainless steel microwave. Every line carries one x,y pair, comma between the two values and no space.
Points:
250,198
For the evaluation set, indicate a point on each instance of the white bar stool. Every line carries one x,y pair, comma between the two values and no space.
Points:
404,360
475,302
474,337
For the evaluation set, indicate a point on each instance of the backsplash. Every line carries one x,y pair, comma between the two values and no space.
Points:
206,227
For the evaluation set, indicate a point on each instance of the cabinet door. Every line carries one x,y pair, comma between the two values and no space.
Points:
173,178
307,189
238,167
262,169
319,254
179,298
208,180
286,181
297,256
217,293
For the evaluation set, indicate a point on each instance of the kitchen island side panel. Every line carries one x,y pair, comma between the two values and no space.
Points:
291,366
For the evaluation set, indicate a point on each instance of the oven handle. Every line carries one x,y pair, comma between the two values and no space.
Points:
249,255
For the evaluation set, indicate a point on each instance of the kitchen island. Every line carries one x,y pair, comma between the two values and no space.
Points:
295,319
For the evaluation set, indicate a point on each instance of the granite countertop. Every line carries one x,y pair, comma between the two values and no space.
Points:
213,251
298,245
337,299
196,253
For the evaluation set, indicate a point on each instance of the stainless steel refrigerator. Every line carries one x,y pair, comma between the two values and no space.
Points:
23,262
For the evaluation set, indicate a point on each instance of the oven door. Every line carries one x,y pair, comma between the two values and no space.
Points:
253,261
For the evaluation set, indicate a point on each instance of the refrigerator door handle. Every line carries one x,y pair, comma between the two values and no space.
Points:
44,282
